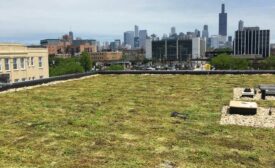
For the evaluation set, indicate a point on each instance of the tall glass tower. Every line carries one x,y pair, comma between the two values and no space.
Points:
223,22
205,33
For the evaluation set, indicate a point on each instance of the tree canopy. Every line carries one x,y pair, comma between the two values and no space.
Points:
227,62
115,68
268,63
85,61
63,66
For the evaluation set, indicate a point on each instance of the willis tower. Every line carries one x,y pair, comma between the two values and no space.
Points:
223,22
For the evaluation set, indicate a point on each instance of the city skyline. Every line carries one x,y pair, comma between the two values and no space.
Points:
29,25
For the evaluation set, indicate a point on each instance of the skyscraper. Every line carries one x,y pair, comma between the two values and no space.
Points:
136,42
241,25
142,38
205,33
197,33
223,22
136,37
136,31
129,39
173,30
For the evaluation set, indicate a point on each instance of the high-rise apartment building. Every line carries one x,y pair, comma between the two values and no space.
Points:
223,22
252,41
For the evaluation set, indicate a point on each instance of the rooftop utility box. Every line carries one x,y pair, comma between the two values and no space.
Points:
266,87
247,92
267,90
243,108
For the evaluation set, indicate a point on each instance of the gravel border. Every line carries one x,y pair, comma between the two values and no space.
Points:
238,95
261,120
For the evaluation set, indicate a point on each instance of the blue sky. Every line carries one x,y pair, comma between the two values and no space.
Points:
28,21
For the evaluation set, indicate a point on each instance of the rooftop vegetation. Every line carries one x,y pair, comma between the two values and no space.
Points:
124,121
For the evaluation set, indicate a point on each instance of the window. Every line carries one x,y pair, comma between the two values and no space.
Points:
16,80
23,79
7,64
22,63
41,77
15,66
40,62
32,61
33,78
0,65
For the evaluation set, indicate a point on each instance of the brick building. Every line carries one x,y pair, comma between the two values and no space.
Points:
106,56
67,46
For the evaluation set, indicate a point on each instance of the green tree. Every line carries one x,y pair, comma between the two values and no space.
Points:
63,66
268,63
227,62
85,61
68,68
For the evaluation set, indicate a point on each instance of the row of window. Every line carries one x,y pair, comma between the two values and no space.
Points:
25,79
20,63
98,58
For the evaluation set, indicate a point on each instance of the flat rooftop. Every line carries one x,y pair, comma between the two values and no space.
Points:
124,121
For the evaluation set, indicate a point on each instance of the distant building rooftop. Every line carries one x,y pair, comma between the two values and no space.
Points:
49,41
251,28
7,48
11,44
36,46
